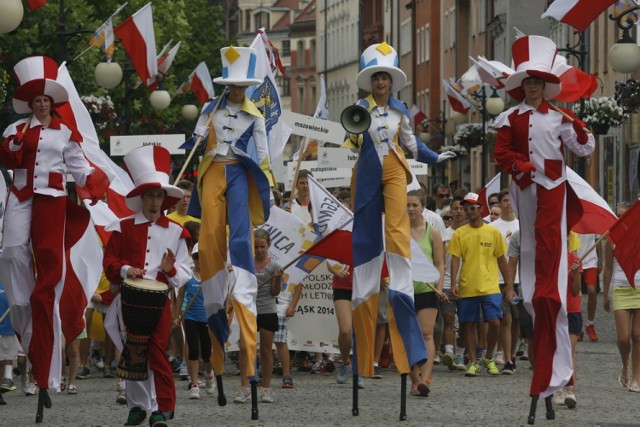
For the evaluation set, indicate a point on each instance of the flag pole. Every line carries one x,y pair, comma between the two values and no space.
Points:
595,245
5,314
294,189
81,53
200,138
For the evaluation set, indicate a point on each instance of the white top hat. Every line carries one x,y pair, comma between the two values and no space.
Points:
238,66
149,167
36,75
380,58
533,56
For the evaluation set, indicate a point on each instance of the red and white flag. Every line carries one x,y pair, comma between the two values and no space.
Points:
417,116
36,4
493,73
138,39
492,187
576,83
627,247
597,216
458,102
199,81
164,62
577,13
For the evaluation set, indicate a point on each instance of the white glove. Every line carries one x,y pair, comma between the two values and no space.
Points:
201,131
446,156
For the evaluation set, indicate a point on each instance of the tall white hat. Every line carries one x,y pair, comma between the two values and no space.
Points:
238,66
378,58
533,56
36,75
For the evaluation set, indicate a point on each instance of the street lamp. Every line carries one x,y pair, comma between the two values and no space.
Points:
625,54
190,112
108,74
160,99
492,105
11,13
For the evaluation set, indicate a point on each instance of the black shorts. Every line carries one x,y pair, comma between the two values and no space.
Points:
425,300
526,322
342,294
575,323
268,322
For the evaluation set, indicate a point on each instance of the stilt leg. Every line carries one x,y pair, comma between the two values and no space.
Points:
532,410
551,414
254,399
44,401
403,397
222,399
354,410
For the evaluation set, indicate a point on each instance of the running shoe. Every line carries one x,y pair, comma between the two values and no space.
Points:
499,359
492,369
473,370
107,372
570,400
447,360
209,383
591,331
121,394
558,397
183,372
458,363
96,360
344,372
157,419
243,395
7,385
31,389
437,359
360,382
522,349
508,369
83,372
266,396
377,372
136,417
194,393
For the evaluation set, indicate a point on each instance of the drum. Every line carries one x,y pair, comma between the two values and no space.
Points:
142,302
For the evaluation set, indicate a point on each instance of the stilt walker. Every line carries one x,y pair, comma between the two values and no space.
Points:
530,146
381,175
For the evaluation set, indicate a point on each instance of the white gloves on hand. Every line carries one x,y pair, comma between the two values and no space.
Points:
446,156
201,131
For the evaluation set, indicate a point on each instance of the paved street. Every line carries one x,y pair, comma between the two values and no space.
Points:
318,400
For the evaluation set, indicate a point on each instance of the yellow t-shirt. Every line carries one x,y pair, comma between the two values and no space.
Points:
478,248
181,219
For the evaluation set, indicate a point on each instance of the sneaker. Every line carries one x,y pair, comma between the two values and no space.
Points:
377,372
184,374
591,331
194,393
473,370
96,360
317,367
437,359
499,359
492,369
136,417
265,395
243,395
31,389
419,390
508,369
83,372
570,400
209,383
558,397
107,372
344,372
360,382
157,419
458,363
7,385
175,364
522,349
121,394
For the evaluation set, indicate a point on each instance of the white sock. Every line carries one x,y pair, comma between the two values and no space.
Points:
448,348
8,371
589,322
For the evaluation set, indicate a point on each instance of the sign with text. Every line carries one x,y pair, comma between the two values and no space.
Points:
313,128
328,176
122,144
336,157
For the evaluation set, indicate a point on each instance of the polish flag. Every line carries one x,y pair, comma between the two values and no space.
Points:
36,4
597,216
164,62
199,81
493,73
417,116
458,102
576,83
627,248
577,13
492,186
138,39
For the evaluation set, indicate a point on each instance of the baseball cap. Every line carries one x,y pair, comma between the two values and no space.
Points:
472,198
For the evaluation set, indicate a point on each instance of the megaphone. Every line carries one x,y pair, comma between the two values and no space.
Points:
355,119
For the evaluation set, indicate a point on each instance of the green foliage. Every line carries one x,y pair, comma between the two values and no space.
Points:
196,23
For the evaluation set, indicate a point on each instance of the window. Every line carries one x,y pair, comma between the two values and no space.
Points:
405,37
286,86
286,48
262,20
300,53
452,29
426,44
312,53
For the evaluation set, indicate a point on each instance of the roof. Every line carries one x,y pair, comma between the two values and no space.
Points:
283,23
291,4
308,13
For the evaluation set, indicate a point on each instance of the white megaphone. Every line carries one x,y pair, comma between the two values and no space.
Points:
355,119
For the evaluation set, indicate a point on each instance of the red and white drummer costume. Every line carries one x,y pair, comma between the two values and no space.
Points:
530,147
139,243
40,155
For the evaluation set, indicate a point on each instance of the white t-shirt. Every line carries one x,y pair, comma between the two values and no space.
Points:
586,242
507,228
434,219
302,212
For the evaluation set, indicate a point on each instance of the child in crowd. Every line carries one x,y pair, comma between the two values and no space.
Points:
8,346
196,330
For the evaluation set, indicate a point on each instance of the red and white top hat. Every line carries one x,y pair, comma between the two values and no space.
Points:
533,56
149,167
379,58
238,66
36,75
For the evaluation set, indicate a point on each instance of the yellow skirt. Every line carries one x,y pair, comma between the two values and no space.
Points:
626,298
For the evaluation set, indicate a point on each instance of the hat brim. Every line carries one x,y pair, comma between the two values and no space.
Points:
25,93
133,199
237,82
513,84
398,77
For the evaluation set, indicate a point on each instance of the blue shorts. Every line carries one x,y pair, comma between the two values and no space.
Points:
469,308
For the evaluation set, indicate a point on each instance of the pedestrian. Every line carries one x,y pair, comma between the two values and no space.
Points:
150,246
380,183
591,265
530,146
8,346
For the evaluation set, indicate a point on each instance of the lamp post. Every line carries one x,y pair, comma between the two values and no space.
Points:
11,13
492,105
625,54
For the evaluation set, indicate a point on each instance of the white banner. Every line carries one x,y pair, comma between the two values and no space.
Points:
328,212
314,128
336,157
328,176
122,144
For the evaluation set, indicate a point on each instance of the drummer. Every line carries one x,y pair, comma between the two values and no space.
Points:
148,245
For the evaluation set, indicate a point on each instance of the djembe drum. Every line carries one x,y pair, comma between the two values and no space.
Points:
142,303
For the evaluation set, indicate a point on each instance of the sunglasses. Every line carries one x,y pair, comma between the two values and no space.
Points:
444,196
447,218
470,208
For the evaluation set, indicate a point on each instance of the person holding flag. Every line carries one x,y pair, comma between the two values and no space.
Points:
233,189
40,149
381,176
530,147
